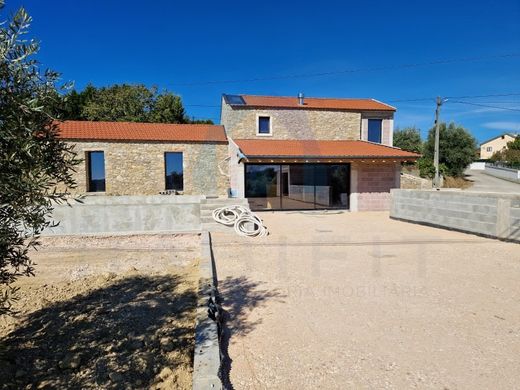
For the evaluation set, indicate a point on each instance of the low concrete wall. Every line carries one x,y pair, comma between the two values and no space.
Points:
490,214
504,173
477,166
128,214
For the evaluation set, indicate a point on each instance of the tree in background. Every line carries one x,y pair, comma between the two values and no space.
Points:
125,103
33,161
408,139
456,150
168,109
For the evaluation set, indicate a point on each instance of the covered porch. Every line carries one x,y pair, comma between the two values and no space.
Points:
314,175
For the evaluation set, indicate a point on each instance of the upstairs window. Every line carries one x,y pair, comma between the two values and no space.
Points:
489,149
264,125
173,171
374,130
95,171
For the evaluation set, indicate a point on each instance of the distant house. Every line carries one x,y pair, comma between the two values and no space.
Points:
495,144
281,153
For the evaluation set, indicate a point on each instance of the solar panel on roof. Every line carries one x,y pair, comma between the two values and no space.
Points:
234,100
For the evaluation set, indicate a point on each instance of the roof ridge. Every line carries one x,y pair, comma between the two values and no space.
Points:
138,123
312,97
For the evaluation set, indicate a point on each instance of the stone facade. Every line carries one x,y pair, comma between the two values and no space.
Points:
138,168
290,123
240,123
415,183
370,182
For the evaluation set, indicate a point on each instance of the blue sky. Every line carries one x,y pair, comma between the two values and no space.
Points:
172,44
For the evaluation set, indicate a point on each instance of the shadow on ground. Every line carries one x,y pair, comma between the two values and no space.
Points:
240,296
118,336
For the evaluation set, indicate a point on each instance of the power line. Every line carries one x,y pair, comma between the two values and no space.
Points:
201,105
345,71
453,97
486,105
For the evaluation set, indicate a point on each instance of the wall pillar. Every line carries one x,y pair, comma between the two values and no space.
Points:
353,201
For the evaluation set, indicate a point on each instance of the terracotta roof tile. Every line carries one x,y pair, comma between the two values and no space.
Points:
317,103
131,131
253,148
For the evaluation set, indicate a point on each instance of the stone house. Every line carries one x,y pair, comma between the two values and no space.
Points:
312,153
281,153
496,144
126,158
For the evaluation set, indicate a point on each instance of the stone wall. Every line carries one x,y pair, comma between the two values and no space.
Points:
490,214
240,123
373,182
138,168
287,123
415,183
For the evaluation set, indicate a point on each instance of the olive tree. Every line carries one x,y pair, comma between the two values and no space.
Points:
456,149
34,162
408,139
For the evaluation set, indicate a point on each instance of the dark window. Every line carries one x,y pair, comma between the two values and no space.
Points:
173,171
374,130
96,171
264,125
297,186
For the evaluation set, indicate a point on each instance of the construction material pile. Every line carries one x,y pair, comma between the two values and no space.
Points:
245,222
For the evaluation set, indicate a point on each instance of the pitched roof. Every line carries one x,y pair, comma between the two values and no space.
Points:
319,149
498,136
309,102
132,131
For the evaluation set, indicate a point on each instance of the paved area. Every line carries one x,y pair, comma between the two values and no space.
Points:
487,183
359,301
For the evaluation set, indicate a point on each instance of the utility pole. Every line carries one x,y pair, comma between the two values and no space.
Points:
436,181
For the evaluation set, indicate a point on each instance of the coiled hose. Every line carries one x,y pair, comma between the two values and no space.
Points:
245,222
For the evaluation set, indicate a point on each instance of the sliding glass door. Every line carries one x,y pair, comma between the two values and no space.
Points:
297,186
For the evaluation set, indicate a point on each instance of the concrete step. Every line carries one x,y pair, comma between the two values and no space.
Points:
229,202
222,201
207,219
217,227
216,206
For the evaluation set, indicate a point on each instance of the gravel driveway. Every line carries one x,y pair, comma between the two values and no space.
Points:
356,300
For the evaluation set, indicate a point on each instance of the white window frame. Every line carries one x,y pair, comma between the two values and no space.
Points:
258,134
489,148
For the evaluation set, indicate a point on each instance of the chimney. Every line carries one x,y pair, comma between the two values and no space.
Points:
300,99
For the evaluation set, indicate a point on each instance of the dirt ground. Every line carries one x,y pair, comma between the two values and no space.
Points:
359,301
105,312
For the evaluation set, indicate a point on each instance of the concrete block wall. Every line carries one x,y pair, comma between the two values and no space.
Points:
490,214
374,182
128,214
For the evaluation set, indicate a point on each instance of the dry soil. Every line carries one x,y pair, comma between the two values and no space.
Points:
104,312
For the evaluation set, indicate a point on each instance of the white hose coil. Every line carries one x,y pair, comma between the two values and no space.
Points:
246,223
